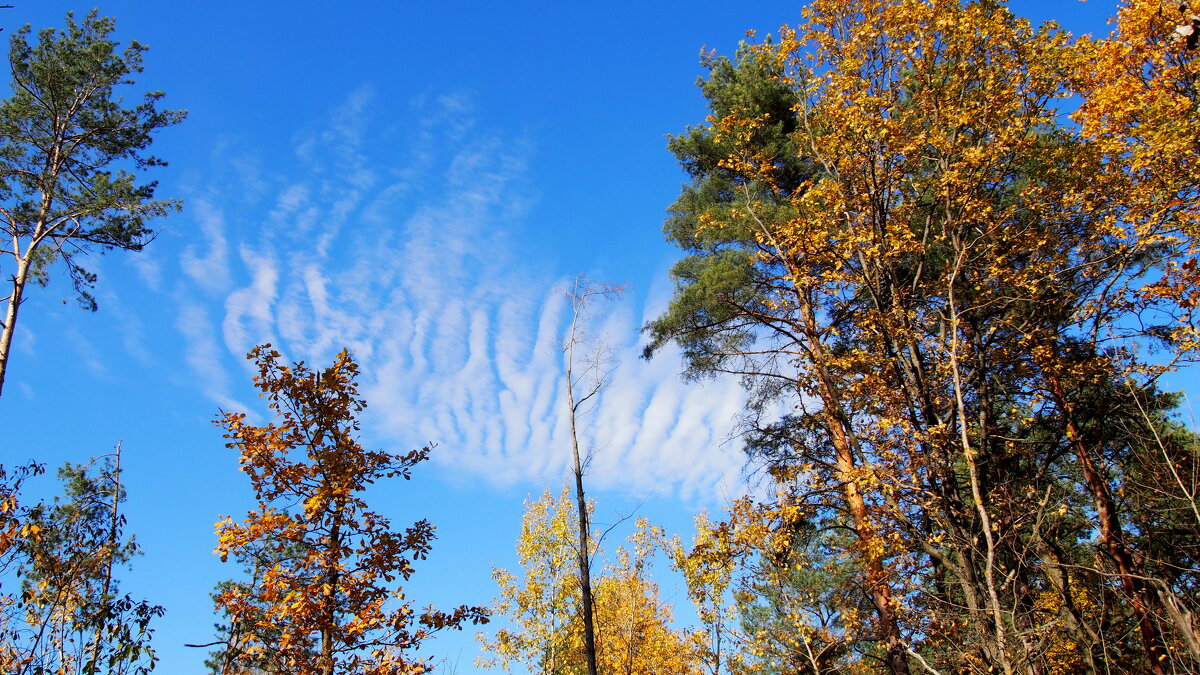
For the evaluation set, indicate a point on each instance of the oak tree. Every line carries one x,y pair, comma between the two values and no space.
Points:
324,597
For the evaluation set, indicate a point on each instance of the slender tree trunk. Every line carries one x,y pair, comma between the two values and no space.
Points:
585,563
579,296
878,586
877,581
110,551
19,279
999,623
1141,596
332,578
589,634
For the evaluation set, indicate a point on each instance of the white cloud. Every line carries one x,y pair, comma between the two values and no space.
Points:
149,268
249,320
456,334
203,355
130,328
88,354
25,340
208,270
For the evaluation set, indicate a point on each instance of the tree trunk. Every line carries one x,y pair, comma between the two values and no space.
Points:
19,279
877,582
840,432
585,563
579,296
842,437
1141,596
330,603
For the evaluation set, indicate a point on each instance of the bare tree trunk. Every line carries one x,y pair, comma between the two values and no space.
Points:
579,296
110,550
585,563
999,623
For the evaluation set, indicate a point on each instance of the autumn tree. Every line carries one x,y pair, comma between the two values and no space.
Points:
13,527
727,314
711,568
68,615
774,592
70,151
949,295
797,605
1140,114
634,622
542,605
547,628
322,597
238,637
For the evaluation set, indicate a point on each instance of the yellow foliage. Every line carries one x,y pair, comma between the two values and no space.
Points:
633,633
956,268
321,598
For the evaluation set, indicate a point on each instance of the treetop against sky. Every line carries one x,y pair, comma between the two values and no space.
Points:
418,184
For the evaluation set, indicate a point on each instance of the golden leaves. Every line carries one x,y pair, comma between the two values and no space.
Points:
546,633
950,256
322,562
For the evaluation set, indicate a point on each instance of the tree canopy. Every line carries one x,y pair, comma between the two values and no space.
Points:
950,293
322,598
70,157
952,256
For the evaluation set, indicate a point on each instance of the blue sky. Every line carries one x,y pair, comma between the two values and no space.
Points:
412,181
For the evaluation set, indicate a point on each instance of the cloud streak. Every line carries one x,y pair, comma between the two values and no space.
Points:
405,260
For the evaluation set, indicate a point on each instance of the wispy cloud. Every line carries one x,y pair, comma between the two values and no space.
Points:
404,258
88,354
208,269
204,356
249,316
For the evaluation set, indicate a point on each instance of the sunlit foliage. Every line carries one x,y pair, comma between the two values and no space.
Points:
953,304
68,616
323,596
633,627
